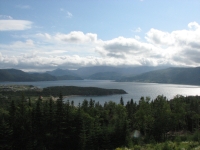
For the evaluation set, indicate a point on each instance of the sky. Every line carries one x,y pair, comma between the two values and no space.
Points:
43,35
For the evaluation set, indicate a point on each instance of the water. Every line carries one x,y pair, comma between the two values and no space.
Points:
135,90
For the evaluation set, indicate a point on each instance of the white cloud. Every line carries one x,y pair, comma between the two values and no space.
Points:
77,49
188,38
69,15
137,37
194,25
121,47
7,25
131,52
158,37
5,17
1,57
19,44
18,47
45,36
182,46
76,37
138,29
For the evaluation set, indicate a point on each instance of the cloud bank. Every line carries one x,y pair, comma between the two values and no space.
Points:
45,51
8,25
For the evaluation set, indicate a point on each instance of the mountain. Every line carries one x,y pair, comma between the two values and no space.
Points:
169,75
20,76
61,72
68,77
106,76
88,72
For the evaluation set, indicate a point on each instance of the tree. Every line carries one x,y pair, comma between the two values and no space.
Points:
5,136
161,114
144,117
60,123
178,109
121,101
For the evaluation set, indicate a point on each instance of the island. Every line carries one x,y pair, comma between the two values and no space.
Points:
30,90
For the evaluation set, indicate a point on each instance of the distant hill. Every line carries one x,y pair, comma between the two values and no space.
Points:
68,77
169,75
20,76
106,76
95,71
61,72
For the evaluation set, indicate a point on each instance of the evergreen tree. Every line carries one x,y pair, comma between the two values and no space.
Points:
60,123
5,136
161,114
121,101
144,117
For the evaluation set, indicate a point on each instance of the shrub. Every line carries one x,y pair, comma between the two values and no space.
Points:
196,136
137,147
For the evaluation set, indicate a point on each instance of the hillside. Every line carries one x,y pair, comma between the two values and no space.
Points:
20,76
68,77
170,75
100,71
61,72
103,72
105,76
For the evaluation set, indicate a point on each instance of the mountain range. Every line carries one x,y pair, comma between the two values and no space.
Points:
104,72
173,75
20,76
169,75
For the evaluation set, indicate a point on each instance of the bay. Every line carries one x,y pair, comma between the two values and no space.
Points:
135,90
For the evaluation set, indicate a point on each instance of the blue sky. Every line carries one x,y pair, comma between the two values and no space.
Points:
43,35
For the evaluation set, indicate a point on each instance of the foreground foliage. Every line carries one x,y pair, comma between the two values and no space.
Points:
168,145
48,124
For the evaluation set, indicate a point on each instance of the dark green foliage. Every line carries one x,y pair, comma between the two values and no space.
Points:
48,124
121,101
5,135
73,90
67,90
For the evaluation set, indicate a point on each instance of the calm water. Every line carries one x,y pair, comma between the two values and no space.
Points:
134,89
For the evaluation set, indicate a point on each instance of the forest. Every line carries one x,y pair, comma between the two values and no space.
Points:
49,124
30,91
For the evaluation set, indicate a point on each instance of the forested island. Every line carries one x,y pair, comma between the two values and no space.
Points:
29,90
157,123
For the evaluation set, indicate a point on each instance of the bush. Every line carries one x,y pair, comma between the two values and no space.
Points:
177,140
196,136
137,147
184,138
166,146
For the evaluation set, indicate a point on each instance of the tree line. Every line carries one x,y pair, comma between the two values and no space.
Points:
48,124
